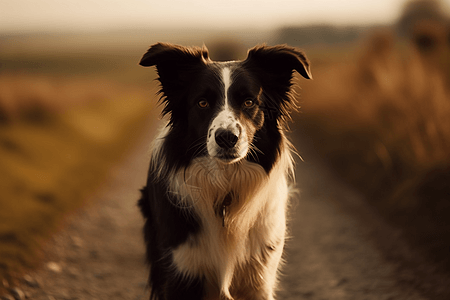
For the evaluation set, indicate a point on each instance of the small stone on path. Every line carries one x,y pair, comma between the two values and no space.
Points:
52,266
18,294
30,281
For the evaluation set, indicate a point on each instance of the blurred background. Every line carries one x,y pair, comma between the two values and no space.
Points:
73,100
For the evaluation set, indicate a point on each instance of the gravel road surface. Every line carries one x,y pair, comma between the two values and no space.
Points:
333,252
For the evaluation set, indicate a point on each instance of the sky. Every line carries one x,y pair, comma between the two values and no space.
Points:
57,15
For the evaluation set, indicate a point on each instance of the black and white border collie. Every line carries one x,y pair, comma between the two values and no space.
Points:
218,185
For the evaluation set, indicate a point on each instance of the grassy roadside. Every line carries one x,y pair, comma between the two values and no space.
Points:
381,120
58,139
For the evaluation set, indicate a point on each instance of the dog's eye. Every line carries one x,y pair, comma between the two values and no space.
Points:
203,103
249,103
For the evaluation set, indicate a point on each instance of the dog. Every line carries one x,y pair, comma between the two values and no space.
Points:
220,170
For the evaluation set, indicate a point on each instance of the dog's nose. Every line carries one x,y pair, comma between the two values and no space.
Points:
225,138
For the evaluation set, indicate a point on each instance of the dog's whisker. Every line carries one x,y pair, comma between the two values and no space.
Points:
256,149
197,143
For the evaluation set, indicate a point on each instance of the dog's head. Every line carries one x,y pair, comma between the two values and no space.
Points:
226,110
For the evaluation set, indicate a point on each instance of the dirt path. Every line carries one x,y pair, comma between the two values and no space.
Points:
332,253
101,254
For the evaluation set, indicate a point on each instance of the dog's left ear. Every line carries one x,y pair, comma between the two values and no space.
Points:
274,66
279,60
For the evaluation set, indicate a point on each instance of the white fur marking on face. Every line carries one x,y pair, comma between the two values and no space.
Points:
226,78
226,119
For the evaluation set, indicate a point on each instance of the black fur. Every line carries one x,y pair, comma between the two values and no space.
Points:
167,225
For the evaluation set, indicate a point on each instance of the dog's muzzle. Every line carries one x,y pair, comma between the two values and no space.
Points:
228,144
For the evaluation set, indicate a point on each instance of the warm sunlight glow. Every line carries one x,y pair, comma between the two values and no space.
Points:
32,15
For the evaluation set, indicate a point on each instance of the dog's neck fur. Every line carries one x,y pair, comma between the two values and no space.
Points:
204,185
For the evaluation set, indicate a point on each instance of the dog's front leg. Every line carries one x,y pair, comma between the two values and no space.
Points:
257,279
185,288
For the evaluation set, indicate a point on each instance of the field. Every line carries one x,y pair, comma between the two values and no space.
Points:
379,116
65,120
377,112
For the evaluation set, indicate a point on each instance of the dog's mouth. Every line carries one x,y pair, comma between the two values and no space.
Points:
228,156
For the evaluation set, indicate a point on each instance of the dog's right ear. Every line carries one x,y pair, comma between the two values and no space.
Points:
164,54
177,67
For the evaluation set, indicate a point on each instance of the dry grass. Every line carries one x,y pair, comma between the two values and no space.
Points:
382,121
58,139
392,102
407,104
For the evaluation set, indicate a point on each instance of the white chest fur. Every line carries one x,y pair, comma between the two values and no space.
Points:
255,219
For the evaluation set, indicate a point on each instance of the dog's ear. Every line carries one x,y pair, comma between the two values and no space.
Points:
175,64
164,54
274,66
177,67
279,61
